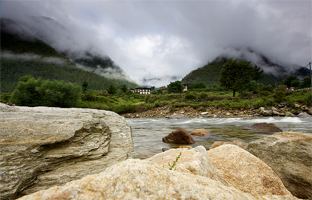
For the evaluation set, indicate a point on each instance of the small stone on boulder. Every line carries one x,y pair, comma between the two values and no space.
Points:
179,136
264,127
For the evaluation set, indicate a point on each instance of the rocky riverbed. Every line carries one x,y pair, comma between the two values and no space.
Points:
190,112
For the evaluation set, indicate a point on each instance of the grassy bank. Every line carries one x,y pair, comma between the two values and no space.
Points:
130,103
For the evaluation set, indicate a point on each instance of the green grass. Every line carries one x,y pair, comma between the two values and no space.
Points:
129,103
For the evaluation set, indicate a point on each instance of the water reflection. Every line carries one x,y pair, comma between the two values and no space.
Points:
148,133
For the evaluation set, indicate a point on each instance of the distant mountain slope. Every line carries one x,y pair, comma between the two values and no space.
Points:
274,73
38,38
103,66
21,57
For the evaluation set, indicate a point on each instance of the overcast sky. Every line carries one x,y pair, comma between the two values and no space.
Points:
165,39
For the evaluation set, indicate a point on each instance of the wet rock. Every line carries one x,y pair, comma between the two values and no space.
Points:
264,127
179,136
289,154
138,179
304,114
241,144
236,167
200,132
266,112
42,147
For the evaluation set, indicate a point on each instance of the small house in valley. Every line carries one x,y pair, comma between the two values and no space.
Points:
141,90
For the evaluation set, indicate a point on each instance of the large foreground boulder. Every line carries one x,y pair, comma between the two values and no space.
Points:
42,147
264,127
240,169
289,154
137,179
179,136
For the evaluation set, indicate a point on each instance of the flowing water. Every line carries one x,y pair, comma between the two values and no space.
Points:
148,133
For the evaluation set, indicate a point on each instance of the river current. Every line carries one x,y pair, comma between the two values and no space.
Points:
148,132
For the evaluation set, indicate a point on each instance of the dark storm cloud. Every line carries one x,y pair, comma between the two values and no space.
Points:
156,40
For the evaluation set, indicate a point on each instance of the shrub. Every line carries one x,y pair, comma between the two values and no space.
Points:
203,95
157,104
279,96
189,96
307,100
88,96
5,97
267,88
264,93
147,98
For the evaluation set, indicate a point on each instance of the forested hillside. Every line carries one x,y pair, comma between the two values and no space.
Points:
20,57
210,74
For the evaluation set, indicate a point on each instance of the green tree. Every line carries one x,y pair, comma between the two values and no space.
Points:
236,75
32,92
175,87
257,74
287,81
111,89
84,86
306,83
124,88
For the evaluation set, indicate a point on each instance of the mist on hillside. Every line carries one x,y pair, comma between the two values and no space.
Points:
155,40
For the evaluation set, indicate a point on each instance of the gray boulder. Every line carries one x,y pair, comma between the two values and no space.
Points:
289,154
41,147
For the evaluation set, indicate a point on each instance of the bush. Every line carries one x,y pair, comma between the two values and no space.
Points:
266,88
147,98
5,97
307,100
203,95
189,96
88,96
32,92
264,93
157,104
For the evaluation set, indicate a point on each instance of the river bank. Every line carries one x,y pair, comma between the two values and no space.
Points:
169,110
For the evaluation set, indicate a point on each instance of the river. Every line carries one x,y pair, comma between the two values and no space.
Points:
148,132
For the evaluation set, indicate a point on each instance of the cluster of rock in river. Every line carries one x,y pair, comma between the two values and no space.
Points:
168,111
54,153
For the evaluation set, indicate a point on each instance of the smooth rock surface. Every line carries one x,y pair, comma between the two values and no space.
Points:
137,179
200,132
264,127
179,136
41,147
195,161
289,154
240,169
